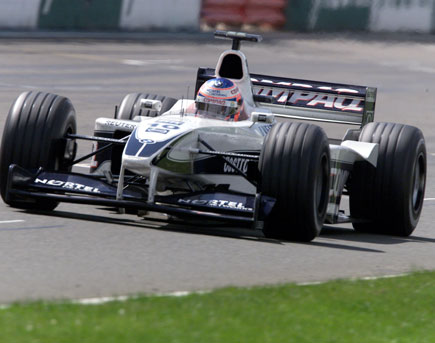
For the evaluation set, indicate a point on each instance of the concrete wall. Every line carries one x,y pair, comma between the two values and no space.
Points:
167,14
79,14
301,15
19,14
393,15
361,15
100,14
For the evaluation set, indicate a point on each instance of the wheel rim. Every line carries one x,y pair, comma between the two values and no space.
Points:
59,160
418,183
321,190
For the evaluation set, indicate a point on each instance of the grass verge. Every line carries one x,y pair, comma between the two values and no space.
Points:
397,310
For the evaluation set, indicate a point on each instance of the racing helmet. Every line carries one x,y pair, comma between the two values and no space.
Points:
219,98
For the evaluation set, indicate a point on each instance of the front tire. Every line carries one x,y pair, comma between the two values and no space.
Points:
295,169
388,199
32,138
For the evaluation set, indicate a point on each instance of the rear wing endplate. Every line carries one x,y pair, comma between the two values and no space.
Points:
309,100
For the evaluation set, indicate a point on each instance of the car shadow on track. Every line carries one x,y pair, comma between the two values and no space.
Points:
209,229
257,236
218,230
350,235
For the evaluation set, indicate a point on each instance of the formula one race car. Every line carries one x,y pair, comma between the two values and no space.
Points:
224,156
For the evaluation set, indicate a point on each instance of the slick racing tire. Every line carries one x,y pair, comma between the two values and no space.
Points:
388,198
130,106
32,138
295,170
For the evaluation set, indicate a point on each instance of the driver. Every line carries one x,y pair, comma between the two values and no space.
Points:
220,98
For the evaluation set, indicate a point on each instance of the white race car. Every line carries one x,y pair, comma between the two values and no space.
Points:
223,156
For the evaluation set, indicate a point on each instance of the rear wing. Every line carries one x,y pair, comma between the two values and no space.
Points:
309,100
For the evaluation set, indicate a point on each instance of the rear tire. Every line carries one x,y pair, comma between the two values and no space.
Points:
130,106
32,138
295,168
388,199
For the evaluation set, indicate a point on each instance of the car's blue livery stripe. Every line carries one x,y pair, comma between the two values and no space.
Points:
151,148
145,149
133,145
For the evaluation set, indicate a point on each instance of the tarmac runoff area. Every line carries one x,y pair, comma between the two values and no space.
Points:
82,252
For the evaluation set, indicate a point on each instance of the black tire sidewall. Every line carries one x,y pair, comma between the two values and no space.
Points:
291,157
35,125
413,214
381,196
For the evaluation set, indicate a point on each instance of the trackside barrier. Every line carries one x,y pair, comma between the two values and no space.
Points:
79,14
91,15
19,14
230,12
271,12
244,12
295,15
161,14
410,15
361,15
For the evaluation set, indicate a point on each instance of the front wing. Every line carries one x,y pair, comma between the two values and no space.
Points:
218,205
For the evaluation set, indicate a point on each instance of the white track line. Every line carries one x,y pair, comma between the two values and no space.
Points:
11,221
103,300
382,277
429,199
364,278
99,301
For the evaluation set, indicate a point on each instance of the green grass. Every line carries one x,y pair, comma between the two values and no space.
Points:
398,310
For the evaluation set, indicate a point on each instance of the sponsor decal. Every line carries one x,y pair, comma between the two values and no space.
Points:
307,86
215,92
124,125
313,99
218,83
67,185
147,141
148,138
216,203
164,126
214,101
241,163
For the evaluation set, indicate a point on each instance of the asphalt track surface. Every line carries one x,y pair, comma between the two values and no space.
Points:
81,251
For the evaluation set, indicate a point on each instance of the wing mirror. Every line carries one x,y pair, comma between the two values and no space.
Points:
262,117
151,104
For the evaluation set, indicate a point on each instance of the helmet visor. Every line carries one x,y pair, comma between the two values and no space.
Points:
215,111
